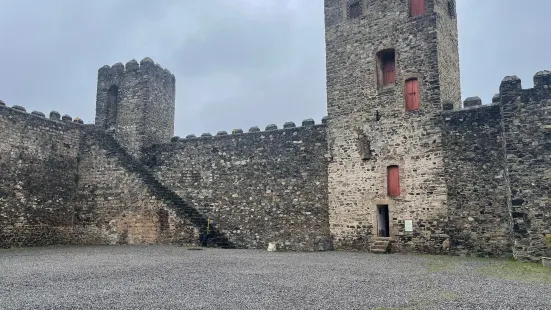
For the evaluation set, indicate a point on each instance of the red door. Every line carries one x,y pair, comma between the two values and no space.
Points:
393,179
389,73
412,94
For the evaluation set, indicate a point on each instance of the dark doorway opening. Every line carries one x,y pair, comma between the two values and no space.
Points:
383,223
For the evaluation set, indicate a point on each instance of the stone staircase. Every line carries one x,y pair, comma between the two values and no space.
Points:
380,245
173,200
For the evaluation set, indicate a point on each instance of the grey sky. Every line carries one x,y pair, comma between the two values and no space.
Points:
238,63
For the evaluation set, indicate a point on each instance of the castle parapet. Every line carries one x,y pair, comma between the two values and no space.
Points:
146,65
511,88
255,129
22,114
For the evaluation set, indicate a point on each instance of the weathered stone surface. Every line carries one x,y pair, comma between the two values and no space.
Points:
528,149
258,187
139,101
358,105
38,179
472,182
119,205
479,222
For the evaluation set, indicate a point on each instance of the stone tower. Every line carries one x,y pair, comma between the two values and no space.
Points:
391,67
136,103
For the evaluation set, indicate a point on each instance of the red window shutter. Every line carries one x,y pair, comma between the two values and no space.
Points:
412,94
417,7
393,179
389,72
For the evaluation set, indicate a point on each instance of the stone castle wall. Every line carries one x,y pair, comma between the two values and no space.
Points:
473,181
60,184
64,182
527,132
479,222
38,177
115,204
259,187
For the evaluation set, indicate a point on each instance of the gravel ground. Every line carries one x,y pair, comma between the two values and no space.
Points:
166,277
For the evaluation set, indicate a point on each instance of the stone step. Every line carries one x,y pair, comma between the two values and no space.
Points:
383,238
378,251
380,244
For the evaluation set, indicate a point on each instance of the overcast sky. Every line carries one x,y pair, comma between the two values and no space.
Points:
238,63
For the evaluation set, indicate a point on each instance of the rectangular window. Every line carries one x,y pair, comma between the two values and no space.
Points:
416,7
387,67
354,8
393,181
412,94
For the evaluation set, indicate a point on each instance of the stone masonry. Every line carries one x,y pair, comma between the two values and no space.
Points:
136,103
360,108
400,164
260,186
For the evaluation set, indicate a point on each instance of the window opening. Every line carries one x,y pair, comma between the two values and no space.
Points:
387,64
354,8
417,7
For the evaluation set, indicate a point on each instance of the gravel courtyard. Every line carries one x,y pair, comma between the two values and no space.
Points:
166,277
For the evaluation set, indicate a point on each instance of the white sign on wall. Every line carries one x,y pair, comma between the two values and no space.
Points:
408,225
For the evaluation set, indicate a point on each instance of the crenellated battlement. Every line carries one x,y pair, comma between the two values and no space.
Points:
21,113
510,85
136,103
145,66
253,130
